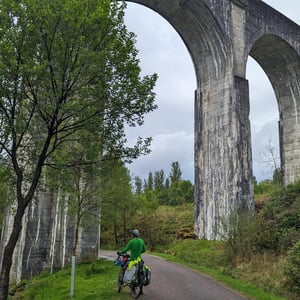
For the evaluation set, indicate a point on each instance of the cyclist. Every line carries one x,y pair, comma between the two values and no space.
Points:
136,246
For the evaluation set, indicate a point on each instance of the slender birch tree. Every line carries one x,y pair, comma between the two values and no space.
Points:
64,66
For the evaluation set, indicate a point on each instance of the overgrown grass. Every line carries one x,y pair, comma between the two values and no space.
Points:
259,279
97,280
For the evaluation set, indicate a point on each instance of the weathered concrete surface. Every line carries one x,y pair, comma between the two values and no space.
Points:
46,239
220,35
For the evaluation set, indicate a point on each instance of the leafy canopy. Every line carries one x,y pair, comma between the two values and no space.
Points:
66,66
68,70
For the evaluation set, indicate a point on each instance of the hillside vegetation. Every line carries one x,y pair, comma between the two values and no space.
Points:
260,254
260,258
261,248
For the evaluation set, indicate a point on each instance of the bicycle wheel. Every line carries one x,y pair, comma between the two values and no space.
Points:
120,280
136,289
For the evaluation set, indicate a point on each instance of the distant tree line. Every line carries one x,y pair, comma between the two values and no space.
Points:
133,202
171,190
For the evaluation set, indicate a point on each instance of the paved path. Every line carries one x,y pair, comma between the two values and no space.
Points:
171,281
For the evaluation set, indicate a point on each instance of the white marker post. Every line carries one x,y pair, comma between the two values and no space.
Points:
72,277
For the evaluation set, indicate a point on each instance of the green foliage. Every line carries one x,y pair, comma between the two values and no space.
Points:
96,280
177,192
265,187
159,179
275,228
256,243
163,196
150,225
118,205
176,173
268,237
159,225
277,176
281,216
292,271
240,232
165,223
78,62
149,184
138,185
78,65
145,200
180,192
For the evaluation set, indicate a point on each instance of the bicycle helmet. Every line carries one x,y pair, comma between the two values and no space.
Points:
135,232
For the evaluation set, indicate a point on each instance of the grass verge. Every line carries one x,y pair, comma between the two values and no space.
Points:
97,280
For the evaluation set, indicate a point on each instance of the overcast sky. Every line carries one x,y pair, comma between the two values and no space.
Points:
162,51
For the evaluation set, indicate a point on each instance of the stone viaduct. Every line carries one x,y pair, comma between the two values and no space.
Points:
220,35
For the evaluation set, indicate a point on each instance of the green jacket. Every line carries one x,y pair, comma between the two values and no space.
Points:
136,246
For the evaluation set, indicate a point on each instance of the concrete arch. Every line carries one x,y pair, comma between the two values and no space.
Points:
222,182
281,63
219,36
202,34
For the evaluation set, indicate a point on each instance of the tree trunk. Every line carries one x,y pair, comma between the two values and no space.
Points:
115,232
8,252
76,234
124,225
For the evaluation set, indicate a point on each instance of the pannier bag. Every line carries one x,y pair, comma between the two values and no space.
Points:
130,274
146,275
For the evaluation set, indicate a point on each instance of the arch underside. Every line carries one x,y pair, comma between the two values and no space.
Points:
202,34
281,63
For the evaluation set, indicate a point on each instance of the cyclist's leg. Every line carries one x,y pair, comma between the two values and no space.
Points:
141,276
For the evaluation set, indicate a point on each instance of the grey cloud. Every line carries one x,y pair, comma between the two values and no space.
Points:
167,148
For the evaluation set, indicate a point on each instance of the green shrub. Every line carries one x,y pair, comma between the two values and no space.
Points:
240,232
292,270
282,214
268,237
265,187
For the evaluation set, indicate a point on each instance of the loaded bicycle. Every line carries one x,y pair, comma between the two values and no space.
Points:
134,274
